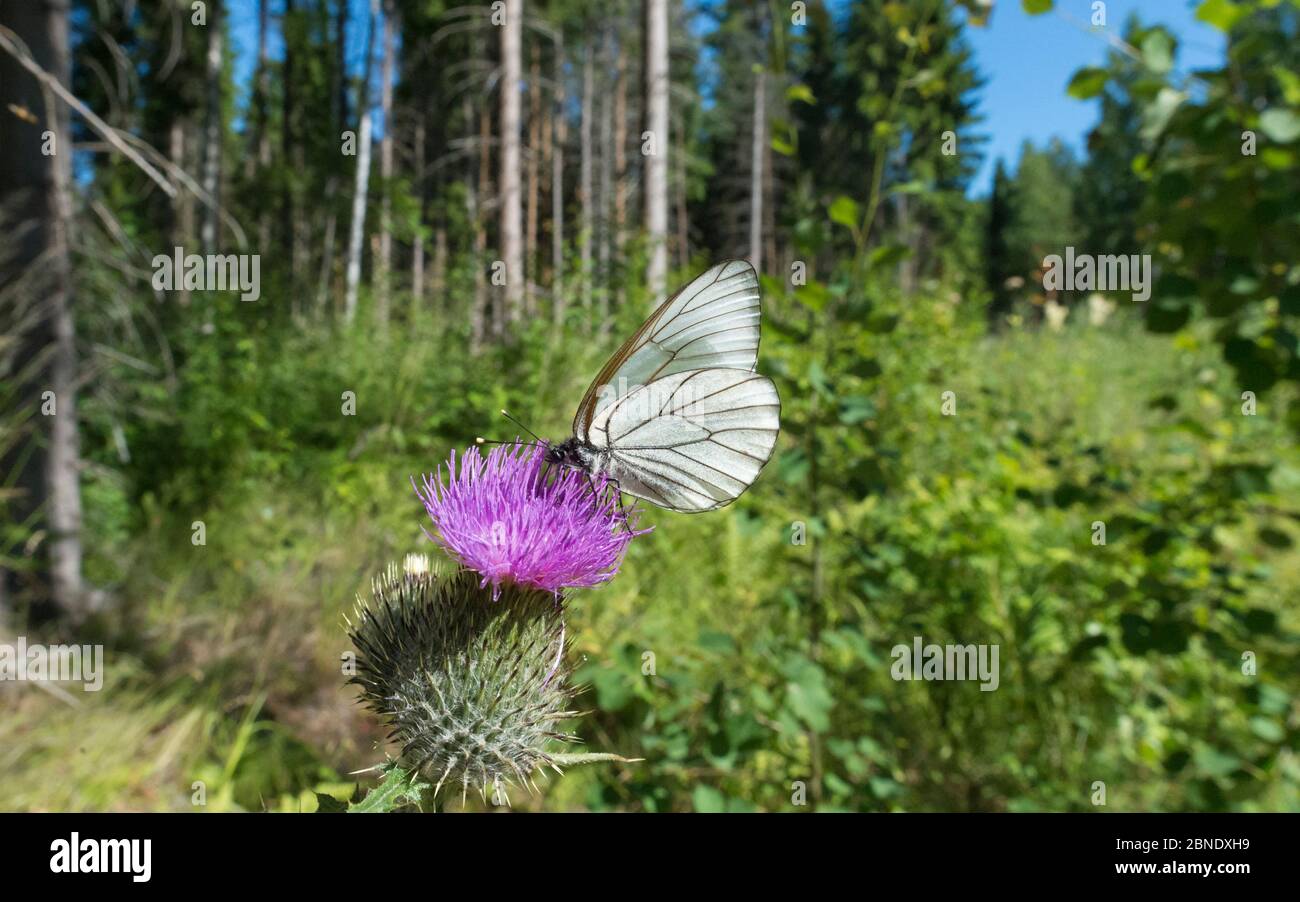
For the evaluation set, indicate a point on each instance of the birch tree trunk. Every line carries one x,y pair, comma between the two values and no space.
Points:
362,183
183,201
493,321
557,192
620,158
327,250
683,224
212,129
656,164
263,157
534,182
417,248
35,190
512,246
384,264
756,171
605,202
439,281
289,146
478,310
585,199
769,202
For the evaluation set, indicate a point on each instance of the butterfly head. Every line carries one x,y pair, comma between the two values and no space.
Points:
570,453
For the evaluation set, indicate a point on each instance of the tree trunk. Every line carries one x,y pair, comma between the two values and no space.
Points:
512,246
35,190
620,159
212,130
490,320
683,223
656,164
341,62
605,202
907,265
327,249
384,264
478,311
769,205
289,145
362,184
417,247
534,182
440,262
585,176
557,192
263,157
756,172
183,201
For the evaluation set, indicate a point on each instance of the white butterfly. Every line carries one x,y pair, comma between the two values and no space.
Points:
678,416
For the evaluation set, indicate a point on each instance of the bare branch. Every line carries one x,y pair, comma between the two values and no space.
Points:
14,46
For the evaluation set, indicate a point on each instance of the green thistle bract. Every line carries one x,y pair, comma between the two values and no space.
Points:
473,688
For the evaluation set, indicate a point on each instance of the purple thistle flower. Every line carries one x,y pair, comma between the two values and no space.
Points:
515,520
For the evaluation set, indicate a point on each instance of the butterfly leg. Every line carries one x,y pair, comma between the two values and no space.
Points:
622,509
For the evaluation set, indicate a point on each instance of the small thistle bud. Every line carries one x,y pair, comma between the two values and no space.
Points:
472,688
415,564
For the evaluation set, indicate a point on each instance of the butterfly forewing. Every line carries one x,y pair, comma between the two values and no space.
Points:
710,323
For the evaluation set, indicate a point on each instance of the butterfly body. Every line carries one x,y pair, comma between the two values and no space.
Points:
679,416
573,452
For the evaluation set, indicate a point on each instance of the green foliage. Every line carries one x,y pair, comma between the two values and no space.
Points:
1121,662
1220,175
398,788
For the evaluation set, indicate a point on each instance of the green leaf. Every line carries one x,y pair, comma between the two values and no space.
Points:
1282,126
1290,83
707,800
808,696
1088,82
1222,14
887,255
782,146
612,689
913,187
800,94
844,211
1214,762
1266,729
1158,114
793,466
712,640
398,789
814,296
856,409
1158,52
327,804
1036,7
883,323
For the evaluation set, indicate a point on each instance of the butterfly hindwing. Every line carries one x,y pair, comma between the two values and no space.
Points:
690,441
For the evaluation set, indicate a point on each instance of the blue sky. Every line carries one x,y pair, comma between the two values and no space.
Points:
1026,60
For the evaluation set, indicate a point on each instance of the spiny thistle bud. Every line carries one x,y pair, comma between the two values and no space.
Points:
473,688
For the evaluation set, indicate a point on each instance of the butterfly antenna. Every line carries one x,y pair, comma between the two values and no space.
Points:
505,413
